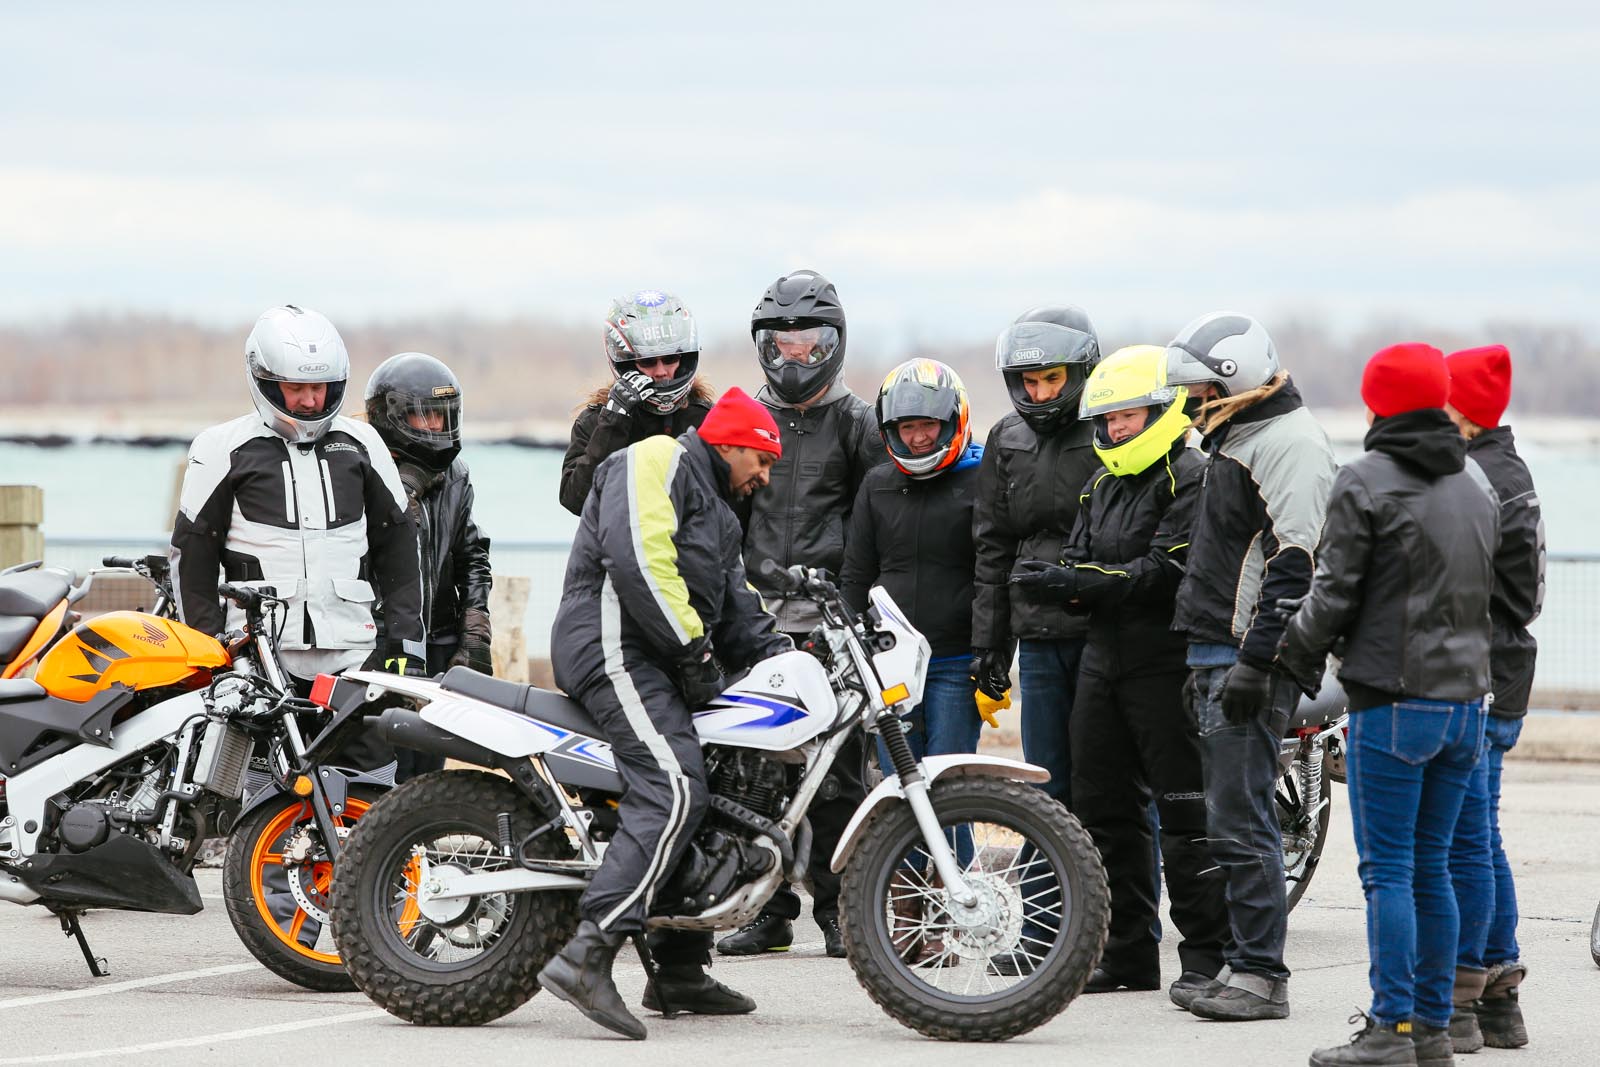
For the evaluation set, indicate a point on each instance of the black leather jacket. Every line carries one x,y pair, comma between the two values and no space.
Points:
1518,570
597,433
1404,570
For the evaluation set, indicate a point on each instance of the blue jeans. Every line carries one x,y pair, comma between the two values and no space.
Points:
1049,671
1409,767
1486,894
946,722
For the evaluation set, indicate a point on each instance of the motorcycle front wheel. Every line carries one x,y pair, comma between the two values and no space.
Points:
1594,938
276,880
455,962
1002,966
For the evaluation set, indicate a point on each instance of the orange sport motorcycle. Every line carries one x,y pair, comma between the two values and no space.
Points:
138,738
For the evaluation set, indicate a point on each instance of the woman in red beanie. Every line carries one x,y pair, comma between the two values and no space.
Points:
1404,573
1488,971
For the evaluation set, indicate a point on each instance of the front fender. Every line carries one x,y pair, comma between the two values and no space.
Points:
934,767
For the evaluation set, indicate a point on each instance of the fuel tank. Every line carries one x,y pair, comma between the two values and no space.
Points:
128,648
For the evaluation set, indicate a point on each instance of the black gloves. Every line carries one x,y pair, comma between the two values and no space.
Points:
409,666
474,649
628,390
991,672
698,678
1246,692
1061,583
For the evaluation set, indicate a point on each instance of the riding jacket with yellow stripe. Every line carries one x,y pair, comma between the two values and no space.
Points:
657,533
1136,529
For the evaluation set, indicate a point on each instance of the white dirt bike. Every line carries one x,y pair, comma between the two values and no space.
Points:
456,888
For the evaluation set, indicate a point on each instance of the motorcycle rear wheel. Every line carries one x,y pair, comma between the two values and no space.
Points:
1303,836
268,894
1006,819
481,962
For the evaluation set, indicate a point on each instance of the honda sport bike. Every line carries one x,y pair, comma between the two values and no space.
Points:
136,739
973,906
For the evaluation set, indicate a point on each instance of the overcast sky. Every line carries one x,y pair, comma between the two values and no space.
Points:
948,165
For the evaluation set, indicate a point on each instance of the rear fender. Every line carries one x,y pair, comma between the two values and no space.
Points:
934,767
484,726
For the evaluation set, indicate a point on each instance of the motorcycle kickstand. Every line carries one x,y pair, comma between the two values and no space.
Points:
70,927
652,974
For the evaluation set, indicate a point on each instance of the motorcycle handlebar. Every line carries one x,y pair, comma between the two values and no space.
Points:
246,597
813,582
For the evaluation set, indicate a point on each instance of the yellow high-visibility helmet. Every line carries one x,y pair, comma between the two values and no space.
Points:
1129,378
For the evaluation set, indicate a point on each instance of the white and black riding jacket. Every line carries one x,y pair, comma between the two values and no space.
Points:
321,522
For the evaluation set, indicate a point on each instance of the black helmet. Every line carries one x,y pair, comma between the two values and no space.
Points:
653,324
798,328
414,403
1055,335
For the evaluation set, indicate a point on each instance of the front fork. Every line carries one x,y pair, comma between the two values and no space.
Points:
915,789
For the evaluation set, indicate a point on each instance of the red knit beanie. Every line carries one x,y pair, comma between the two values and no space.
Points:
1480,383
1404,378
735,419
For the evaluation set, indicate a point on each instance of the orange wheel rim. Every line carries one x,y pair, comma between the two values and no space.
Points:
409,912
262,857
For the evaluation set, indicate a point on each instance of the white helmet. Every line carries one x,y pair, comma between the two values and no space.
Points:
1224,347
295,345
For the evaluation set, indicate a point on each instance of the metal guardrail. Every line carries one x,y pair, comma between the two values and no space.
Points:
1568,631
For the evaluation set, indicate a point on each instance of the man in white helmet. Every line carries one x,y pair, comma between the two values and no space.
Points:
296,497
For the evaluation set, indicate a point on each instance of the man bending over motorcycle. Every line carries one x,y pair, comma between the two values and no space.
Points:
655,598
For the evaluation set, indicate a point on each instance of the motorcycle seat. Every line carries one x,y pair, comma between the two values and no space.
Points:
1330,703
32,594
14,633
536,703
20,689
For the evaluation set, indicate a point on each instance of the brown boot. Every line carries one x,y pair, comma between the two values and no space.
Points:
906,928
1499,1009
1464,1033
933,951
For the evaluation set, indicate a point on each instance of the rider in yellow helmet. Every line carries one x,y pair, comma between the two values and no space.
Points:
1130,737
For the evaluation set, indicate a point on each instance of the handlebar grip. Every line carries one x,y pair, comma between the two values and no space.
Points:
121,562
783,579
244,594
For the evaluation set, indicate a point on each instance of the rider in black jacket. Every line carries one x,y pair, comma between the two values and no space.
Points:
414,402
1405,569
654,349
1130,736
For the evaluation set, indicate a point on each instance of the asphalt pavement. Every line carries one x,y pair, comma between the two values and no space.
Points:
183,990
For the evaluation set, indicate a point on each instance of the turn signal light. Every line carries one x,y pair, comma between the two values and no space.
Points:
302,786
896,694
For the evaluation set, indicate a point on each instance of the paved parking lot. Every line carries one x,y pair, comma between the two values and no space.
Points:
184,990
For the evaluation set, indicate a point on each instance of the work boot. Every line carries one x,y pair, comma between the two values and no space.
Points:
1499,1012
907,926
581,976
832,937
1103,981
1464,1033
689,988
1246,998
767,933
1192,985
1374,1045
1431,1045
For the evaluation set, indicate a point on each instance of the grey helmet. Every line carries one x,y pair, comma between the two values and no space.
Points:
1233,351
295,345
649,325
799,331
1054,335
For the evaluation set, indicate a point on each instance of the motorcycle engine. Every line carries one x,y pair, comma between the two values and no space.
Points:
722,855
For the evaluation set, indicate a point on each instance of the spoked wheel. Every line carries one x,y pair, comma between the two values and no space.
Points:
456,961
1594,938
276,880
1304,826
1007,962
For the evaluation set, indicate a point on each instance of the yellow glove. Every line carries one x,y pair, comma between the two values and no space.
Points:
988,706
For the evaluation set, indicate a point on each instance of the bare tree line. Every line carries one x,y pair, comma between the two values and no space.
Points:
538,370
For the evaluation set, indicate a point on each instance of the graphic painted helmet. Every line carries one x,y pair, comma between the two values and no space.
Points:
798,328
1224,347
925,389
1128,379
652,324
293,345
1056,335
414,402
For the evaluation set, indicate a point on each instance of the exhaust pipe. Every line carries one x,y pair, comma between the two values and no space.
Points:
406,728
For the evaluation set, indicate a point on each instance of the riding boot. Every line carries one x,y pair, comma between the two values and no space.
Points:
1464,1033
689,988
905,906
1499,1010
581,976
933,951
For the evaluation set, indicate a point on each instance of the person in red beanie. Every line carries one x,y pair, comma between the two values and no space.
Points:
1404,573
655,606
1488,969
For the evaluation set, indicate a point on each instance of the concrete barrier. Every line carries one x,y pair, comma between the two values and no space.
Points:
21,514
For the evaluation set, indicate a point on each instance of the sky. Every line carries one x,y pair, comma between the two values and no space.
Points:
947,165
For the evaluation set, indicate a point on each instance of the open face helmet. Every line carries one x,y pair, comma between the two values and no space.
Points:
799,330
414,402
924,389
652,325
294,345
1231,350
1044,337
1130,379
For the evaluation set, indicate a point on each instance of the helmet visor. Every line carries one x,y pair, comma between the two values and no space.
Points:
433,421
1030,345
806,345
917,400
1101,399
653,336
